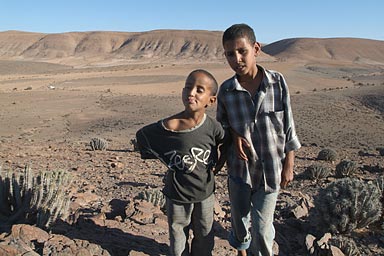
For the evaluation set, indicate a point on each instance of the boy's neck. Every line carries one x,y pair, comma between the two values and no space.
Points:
184,120
251,82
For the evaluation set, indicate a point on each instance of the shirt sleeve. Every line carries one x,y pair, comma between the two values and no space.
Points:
143,144
292,141
221,112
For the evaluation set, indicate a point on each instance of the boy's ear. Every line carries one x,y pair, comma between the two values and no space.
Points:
257,47
212,100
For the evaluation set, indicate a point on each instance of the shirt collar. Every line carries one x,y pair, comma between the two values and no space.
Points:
268,79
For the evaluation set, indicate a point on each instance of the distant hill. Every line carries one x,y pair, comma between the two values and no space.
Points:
109,48
113,47
363,51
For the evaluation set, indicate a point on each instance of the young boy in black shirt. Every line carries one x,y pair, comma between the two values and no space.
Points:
187,143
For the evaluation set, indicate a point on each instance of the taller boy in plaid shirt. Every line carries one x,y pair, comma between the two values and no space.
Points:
254,105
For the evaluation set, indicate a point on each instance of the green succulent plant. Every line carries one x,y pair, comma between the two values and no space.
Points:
347,204
317,171
33,199
327,154
345,168
156,197
347,245
98,144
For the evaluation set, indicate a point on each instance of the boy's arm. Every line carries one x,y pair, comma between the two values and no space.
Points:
292,141
143,146
223,140
287,173
222,152
240,143
221,117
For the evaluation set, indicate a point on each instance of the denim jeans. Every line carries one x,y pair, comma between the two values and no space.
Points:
196,216
252,212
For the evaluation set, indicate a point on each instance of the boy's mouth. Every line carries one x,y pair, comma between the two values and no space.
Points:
240,67
191,101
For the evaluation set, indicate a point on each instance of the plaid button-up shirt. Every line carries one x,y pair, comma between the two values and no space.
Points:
266,122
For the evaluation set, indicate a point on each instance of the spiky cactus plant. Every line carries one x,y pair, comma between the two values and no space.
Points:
381,151
327,154
345,168
380,185
33,199
317,171
98,144
348,204
134,145
346,245
156,197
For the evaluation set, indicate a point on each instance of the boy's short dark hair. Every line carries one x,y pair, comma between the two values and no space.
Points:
214,84
238,31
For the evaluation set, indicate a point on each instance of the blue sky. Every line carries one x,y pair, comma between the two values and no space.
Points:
271,20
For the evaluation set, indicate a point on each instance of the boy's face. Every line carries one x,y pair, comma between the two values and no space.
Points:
197,94
241,55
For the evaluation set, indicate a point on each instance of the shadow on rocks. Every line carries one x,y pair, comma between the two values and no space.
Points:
114,240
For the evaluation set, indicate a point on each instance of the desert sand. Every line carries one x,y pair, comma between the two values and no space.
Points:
52,106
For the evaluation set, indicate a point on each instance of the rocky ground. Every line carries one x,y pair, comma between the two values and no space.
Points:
51,129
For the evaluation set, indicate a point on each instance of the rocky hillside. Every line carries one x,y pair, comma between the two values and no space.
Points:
360,51
113,48
152,45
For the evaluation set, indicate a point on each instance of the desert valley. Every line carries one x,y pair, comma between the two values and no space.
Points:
59,91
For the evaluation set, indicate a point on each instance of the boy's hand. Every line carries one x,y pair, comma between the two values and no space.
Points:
222,151
287,173
218,167
240,144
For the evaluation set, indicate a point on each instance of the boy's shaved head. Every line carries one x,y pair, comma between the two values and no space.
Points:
239,31
214,84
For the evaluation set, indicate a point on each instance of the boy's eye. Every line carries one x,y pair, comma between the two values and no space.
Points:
243,51
229,54
200,90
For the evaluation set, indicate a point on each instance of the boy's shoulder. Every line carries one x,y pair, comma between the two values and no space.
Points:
273,75
215,126
144,140
153,125
227,85
212,121
148,129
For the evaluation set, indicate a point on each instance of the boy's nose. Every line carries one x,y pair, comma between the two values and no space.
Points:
192,92
238,57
